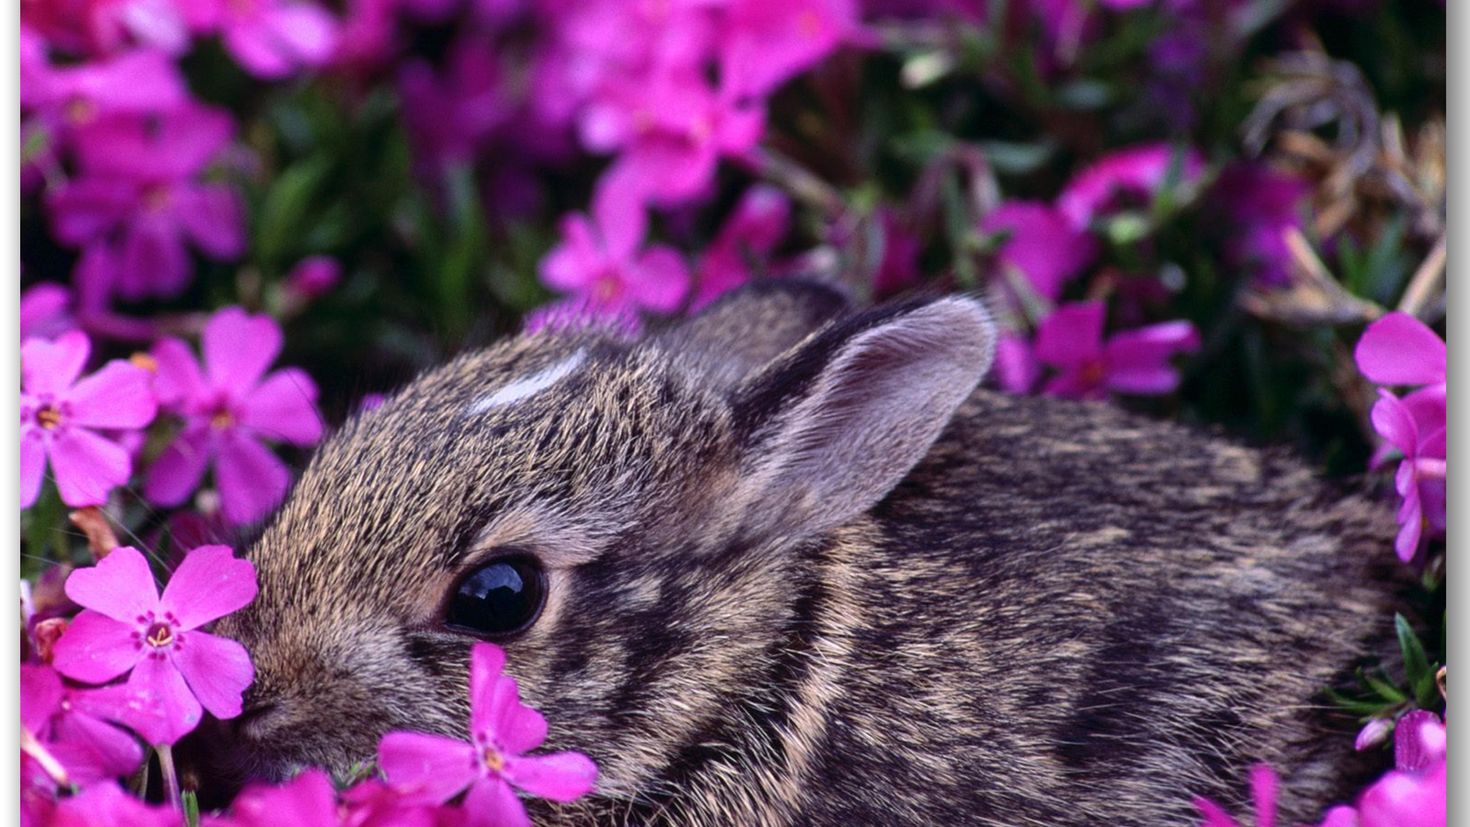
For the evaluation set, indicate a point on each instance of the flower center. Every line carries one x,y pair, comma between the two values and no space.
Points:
48,417
160,635
1094,373
222,420
494,761
80,110
155,198
606,288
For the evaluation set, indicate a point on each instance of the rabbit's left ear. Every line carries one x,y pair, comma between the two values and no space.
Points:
747,328
828,429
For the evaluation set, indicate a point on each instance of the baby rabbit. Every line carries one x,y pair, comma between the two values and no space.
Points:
785,564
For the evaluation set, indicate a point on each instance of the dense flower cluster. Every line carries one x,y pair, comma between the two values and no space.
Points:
1142,191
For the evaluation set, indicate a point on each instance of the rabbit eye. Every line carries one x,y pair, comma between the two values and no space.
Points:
498,599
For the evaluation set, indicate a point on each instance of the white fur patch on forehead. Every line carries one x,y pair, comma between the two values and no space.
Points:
528,386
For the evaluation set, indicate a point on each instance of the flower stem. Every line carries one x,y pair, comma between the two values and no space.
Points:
170,776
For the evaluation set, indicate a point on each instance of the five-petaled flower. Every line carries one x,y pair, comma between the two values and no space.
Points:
433,768
228,408
126,625
1133,361
60,417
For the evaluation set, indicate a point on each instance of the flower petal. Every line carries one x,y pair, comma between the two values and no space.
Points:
1071,335
120,586
95,648
177,471
426,768
492,803
210,583
212,216
87,466
1398,349
487,661
1263,794
52,367
40,695
117,396
178,379
238,348
251,479
560,776
217,669
167,692
283,406
521,729
32,465
92,749
1392,422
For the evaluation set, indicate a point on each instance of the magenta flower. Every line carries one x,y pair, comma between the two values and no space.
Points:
1130,177
127,626
269,38
45,311
450,114
314,277
1263,796
229,409
433,768
1398,349
60,416
1134,361
601,262
1042,244
138,203
670,131
764,43
308,800
1016,368
73,725
754,228
1260,205
106,805
101,27
139,82
899,266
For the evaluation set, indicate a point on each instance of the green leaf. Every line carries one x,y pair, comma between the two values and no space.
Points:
1416,663
284,211
1385,689
191,808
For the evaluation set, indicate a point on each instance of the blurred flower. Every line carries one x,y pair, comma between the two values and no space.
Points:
127,626
73,725
138,82
764,43
1398,349
601,263
1128,178
308,800
314,277
450,114
433,768
1042,244
99,27
900,265
1259,206
1134,361
1016,367
754,228
60,415
271,39
1373,733
106,805
44,311
372,803
137,200
229,408
1407,799
1263,796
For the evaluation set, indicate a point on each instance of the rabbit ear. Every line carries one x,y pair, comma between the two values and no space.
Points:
832,426
747,328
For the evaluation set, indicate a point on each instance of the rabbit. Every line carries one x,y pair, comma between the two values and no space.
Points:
788,563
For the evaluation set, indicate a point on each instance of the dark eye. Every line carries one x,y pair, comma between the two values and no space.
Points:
498,599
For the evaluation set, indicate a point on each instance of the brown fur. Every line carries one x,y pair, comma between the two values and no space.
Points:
1062,614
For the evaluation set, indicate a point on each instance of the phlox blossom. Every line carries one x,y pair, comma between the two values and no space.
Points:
1041,243
268,38
126,625
61,415
754,228
1135,175
1264,786
493,763
100,805
1133,361
73,725
230,407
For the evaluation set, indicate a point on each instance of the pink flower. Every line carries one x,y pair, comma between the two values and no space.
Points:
45,311
1419,741
73,725
308,800
372,803
1263,796
433,768
268,38
899,266
139,82
1016,367
1260,205
1128,177
1398,349
229,408
127,626
601,262
314,277
670,131
106,805
98,27
450,114
1134,361
1042,244
764,43
754,228
138,201
59,418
